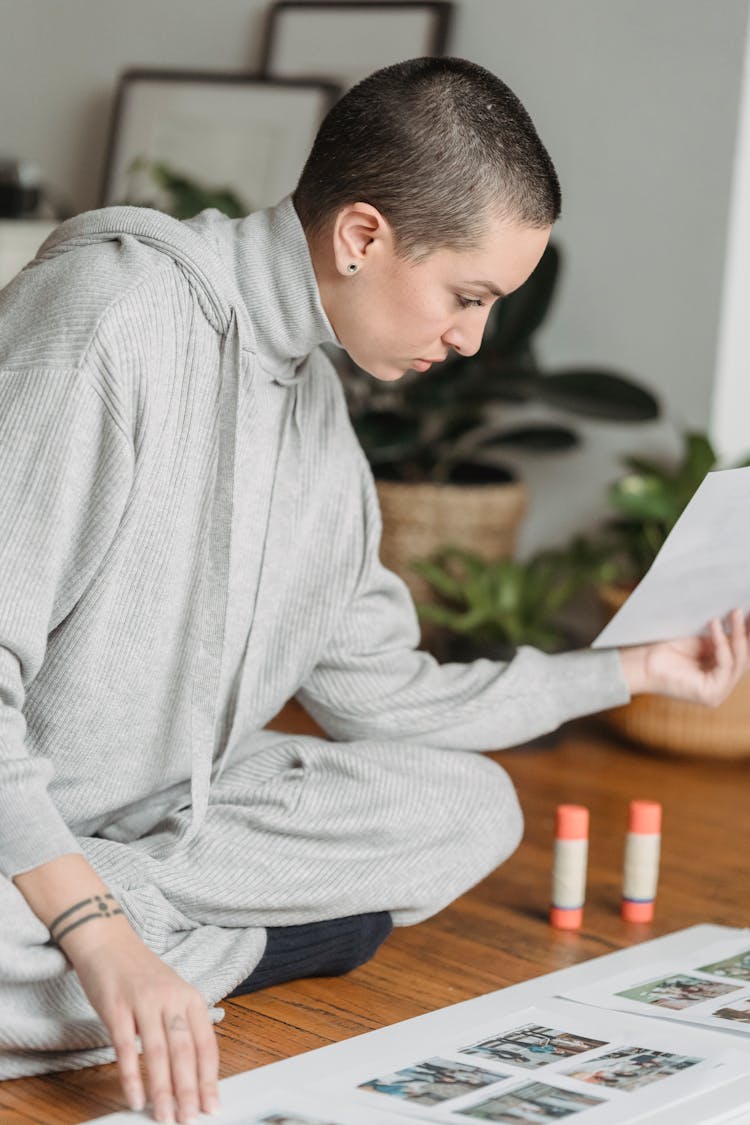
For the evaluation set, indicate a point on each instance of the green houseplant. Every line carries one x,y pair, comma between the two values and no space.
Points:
488,608
647,502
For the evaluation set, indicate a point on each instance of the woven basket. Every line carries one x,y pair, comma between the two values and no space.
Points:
418,519
676,727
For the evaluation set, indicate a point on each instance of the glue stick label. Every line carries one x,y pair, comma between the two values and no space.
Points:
641,869
569,873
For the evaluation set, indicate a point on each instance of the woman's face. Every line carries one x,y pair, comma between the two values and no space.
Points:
391,315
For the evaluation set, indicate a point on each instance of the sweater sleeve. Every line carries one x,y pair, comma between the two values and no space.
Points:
65,474
372,683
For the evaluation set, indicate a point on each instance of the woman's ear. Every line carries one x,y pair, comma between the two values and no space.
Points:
360,234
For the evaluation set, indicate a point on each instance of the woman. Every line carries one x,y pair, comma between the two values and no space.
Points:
195,540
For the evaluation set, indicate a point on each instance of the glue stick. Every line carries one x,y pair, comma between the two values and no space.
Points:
569,867
641,868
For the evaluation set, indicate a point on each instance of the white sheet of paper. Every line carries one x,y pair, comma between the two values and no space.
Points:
702,571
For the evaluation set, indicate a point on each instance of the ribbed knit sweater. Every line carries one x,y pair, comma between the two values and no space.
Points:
189,537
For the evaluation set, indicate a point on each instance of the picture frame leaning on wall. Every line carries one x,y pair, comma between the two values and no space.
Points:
345,40
232,132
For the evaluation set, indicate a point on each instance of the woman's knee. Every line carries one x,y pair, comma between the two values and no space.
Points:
492,821
475,825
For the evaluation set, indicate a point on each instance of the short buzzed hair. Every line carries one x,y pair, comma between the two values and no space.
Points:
437,145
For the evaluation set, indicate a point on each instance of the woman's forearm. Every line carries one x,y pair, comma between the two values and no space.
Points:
78,908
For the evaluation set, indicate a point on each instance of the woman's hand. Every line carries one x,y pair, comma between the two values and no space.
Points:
699,669
135,993
131,989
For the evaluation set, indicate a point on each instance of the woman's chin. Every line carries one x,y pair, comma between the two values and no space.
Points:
387,373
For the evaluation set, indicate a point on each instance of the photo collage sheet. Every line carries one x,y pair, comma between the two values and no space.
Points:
711,989
531,1067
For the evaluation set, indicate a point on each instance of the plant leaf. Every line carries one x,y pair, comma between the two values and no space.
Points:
643,497
597,393
440,579
542,437
700,457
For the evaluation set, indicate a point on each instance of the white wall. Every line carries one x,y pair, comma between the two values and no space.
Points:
731,404
636,100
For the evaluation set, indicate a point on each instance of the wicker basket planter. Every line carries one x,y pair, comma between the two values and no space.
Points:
420,518
674,727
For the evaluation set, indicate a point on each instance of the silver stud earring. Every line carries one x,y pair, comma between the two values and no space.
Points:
352,268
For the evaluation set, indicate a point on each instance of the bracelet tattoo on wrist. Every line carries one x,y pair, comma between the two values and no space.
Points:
99,908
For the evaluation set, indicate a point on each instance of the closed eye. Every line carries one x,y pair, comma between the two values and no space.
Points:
469,302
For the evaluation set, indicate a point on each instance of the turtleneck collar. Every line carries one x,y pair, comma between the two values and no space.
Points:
269,258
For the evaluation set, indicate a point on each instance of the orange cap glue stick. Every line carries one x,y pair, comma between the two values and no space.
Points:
641,868
569,867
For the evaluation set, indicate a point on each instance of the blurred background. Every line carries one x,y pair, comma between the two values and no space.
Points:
643,106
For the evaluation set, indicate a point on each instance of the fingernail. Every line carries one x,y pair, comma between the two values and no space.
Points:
135,1097
214,1107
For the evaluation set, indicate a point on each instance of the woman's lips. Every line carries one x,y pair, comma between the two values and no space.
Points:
427,362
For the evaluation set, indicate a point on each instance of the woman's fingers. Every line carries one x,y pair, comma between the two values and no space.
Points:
136,994
207,1055
738,639
158,1067
182,1061
722,650
703,669
734,642
730,652
123,1040
183,1065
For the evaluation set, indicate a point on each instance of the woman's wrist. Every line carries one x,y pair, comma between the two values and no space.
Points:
90,923
99,933
75,904
634,667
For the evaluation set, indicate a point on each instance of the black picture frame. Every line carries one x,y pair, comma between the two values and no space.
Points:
243,132
334,31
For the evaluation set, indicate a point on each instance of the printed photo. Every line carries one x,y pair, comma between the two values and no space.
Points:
533,1104
678,991
739,1011
737,967
532,1046
432,1081
629,1068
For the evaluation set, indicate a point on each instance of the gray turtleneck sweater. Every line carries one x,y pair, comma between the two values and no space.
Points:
189,537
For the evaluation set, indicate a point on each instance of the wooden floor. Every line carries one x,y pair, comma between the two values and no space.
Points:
497,934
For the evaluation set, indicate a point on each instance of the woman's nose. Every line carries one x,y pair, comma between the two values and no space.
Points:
464,340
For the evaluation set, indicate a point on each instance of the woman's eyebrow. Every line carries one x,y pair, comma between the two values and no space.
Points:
489,287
